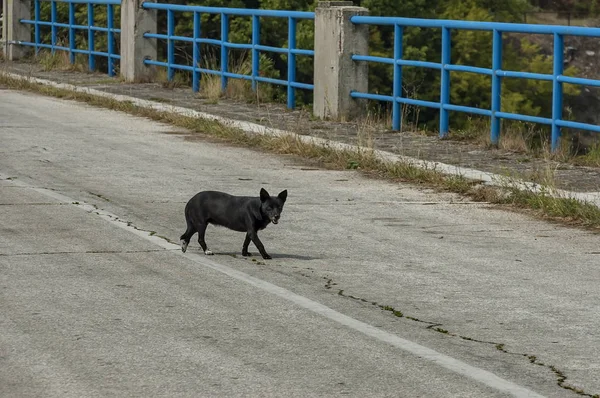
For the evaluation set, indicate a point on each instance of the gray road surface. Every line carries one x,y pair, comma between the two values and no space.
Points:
95,302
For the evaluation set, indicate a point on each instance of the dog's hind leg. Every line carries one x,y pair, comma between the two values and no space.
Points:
187,235
201,231
245,252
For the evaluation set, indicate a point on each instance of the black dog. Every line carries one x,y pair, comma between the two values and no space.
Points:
239,213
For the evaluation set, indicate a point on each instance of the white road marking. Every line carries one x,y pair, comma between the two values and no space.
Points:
455,365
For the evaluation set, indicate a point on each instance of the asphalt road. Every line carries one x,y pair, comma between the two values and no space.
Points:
95,300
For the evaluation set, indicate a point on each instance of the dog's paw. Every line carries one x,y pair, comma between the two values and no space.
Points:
208,253
184,245
246,254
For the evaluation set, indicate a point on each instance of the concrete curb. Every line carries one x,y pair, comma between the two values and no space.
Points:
253,128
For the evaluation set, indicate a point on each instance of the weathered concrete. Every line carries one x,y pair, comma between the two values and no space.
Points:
106,311
14,31
335,74
135,21
584,181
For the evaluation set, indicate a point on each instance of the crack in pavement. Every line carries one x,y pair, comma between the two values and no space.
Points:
85,252
561,377
151,235
457,366
33,204
98,196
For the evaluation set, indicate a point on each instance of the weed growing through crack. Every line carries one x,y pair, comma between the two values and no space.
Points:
561,378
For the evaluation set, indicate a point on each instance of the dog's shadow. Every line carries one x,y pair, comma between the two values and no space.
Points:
276,256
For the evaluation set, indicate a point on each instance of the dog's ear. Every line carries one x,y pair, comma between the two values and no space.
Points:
264,195
282,195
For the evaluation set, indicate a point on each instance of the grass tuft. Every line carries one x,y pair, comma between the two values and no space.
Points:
60,60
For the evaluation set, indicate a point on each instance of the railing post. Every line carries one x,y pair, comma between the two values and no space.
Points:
397,84
496,85
170,44
110,38
36,28
196,54
224,50
91,37
72,44
291,91
54,28
135,21
255,51
557,89
13,31
445,83
336,75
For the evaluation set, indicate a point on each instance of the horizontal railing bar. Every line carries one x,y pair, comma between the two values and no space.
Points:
304,86
468,109
577,125
75,50
229,74
218,42
180,38
420,64
525,75
30,44
482,71
231,11
176,66
389,98
100,53
297,51
578,80
96,2
469,69
476,25
403,62
524,118
411,101
370,58
66,25
376,97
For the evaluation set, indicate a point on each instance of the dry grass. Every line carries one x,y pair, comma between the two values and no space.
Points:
60,60
180,79
591,158
237,89
543,204
527,139
210,83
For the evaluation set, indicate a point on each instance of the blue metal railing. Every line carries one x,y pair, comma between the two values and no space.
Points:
72,27
225,45
445,66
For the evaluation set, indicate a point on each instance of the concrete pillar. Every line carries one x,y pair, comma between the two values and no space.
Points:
14,31
335,74
135,21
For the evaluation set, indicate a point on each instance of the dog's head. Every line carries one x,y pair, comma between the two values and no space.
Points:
271,206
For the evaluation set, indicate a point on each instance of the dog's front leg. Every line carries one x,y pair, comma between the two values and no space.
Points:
245,252
258,244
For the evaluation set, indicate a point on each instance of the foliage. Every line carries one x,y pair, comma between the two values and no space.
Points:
468,48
